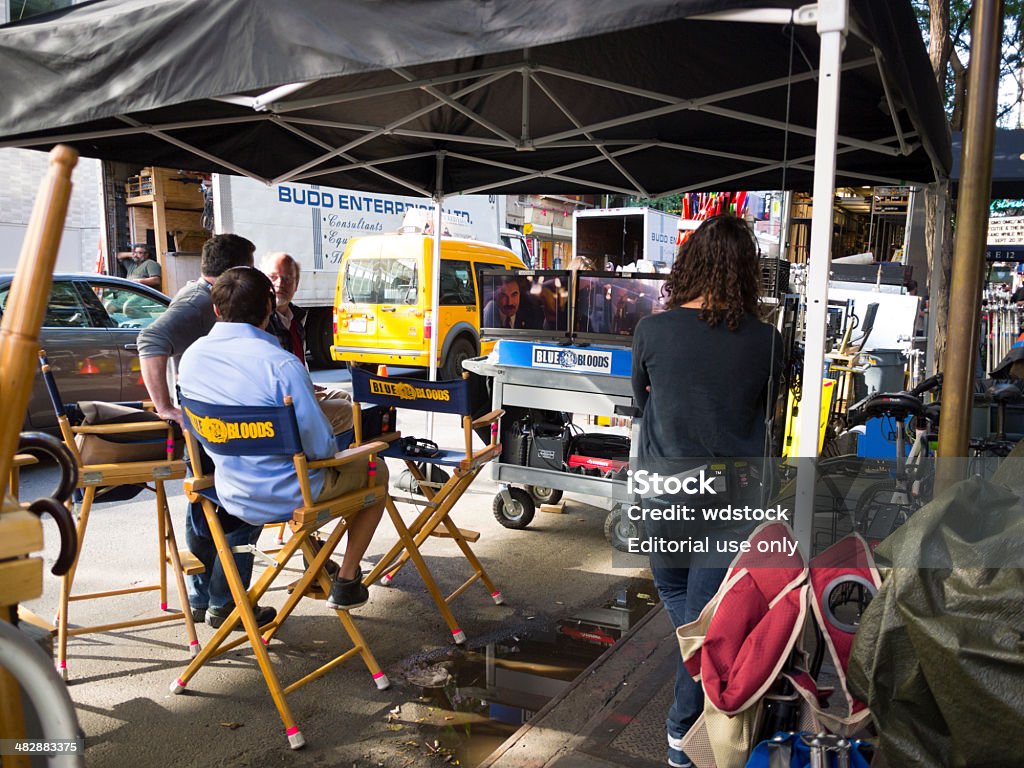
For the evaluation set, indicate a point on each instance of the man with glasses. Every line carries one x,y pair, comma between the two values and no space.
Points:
140,267
287,322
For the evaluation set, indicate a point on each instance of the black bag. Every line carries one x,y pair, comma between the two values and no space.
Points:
419,447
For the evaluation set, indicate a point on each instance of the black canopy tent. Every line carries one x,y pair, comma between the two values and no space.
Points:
647,98
541,97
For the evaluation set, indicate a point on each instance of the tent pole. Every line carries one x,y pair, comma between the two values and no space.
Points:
832,28
435,279
969,245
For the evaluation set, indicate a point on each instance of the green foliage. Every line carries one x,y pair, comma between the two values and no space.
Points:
1009,114
671,204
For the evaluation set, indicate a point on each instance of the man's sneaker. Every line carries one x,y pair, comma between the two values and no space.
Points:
676,757
216,616
198,615
347,594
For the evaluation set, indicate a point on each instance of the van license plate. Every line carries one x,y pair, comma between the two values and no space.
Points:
357,325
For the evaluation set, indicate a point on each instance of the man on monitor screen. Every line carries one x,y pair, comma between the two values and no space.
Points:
512,307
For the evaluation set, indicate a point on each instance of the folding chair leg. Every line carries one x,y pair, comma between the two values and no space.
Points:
161,537
478,567
379,678
171,546
67,582
244,608
406,540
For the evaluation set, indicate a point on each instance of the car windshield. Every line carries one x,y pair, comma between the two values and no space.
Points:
380,281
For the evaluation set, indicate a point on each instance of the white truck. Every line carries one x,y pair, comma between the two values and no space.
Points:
619,237
314,224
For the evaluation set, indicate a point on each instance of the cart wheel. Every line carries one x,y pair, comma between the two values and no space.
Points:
516,515
543,495
619,529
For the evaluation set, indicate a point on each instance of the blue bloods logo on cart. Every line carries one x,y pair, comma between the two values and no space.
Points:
586,361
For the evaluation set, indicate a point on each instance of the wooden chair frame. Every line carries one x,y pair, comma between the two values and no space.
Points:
93,477
304,523
435,519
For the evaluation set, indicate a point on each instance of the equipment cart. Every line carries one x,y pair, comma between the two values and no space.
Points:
580,380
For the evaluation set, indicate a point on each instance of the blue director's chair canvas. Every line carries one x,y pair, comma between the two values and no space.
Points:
274,431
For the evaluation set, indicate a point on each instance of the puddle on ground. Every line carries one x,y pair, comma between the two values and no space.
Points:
475,699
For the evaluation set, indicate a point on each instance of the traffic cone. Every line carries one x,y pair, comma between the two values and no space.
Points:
382,370
88,366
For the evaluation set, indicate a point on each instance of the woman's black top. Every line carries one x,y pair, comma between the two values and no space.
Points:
711,388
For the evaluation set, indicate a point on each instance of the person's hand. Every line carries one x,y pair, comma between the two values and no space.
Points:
171,414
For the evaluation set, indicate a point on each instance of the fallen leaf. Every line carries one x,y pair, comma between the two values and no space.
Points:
232,726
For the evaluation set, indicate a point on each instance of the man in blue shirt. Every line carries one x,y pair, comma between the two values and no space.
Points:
240,363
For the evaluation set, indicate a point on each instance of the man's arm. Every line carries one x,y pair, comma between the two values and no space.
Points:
154,376
152,276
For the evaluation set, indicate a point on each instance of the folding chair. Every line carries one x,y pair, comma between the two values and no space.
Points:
96,478
274,431
440,397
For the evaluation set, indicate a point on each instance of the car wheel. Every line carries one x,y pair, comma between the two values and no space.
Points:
461,350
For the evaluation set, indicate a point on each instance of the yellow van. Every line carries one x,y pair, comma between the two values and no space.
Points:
382,303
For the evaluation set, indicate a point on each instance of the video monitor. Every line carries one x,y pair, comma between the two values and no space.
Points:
525,304
608,305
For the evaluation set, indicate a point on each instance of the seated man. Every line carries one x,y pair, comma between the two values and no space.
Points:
288,323
239,363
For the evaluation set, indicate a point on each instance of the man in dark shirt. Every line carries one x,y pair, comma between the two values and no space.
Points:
288,324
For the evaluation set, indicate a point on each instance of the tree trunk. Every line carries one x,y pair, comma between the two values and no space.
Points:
940,49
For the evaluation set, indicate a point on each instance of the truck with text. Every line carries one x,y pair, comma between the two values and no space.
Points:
612,238
314,224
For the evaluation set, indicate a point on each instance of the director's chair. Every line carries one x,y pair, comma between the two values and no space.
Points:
434,519
274,431
97,478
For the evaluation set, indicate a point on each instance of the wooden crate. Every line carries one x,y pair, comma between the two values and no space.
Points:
180,192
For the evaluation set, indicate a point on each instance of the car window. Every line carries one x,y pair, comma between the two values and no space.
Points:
64,309
127,307
380,281
456,283
482,267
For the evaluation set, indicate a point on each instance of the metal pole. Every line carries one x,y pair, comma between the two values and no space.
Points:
969,247
435,281
832,27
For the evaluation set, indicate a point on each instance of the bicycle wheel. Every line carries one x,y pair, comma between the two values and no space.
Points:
882,508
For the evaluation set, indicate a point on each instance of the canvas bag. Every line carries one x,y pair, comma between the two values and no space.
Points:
125,447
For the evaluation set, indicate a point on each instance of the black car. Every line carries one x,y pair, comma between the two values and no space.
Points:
89,334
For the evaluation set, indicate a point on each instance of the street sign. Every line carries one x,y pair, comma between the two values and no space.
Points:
1005,239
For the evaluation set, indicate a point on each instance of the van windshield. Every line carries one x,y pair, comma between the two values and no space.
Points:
380,281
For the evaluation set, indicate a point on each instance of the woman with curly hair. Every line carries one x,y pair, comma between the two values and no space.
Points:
704,375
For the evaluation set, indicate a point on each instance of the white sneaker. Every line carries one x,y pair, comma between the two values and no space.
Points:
676,757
